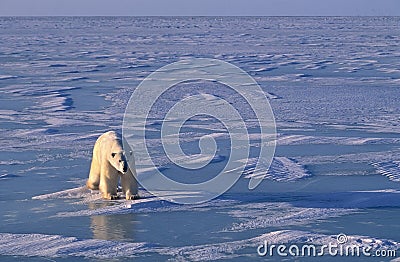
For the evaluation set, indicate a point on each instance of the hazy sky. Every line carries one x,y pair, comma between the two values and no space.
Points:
200,7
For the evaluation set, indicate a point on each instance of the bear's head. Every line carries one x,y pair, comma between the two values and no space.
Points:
118,161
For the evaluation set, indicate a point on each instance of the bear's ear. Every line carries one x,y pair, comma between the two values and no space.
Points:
113,154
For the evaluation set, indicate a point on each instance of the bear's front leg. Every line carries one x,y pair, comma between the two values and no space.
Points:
108,185
129,185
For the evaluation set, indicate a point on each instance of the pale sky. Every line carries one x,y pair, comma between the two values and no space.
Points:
201,7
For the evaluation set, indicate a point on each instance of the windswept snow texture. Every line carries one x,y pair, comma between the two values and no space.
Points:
389,169
333,85
59,246
253,216
281,169
55,246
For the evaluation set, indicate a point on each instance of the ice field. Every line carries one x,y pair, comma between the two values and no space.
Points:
334,87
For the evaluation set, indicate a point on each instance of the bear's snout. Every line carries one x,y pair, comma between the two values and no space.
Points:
125,168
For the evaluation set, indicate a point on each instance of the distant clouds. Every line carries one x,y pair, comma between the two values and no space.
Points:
201,7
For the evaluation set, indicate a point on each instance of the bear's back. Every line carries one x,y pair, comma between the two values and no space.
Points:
109,136
106,142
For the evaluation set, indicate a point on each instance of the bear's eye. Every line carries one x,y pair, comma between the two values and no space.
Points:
120,160
113,154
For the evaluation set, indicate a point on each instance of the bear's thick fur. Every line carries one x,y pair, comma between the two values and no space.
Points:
108,165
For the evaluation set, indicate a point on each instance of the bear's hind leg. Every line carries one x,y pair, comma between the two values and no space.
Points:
94,176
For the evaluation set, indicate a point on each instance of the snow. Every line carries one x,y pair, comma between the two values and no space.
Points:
282,169
61,246
55,246
389,169
332,83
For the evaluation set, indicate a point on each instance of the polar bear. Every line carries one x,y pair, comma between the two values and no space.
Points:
108,165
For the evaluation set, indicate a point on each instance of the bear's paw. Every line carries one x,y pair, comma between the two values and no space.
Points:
114,197
133,197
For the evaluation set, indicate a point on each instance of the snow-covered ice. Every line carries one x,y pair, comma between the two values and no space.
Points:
332,82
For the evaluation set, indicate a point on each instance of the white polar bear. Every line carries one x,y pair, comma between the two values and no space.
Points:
108,165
